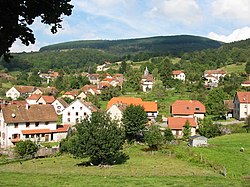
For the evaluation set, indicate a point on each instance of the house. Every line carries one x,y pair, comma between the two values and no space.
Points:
35,122
49,76
245,83
59,105
197,141
188,109
70,94
32,99
241,105
46,91
45,99
179,74
212,77
116,111
19,91
77,111
93,78
103,67
151,108
176,124
147,81
92,89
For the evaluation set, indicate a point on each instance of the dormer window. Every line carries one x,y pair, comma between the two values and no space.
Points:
197,108
187,107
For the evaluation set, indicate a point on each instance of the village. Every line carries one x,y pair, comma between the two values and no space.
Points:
43,117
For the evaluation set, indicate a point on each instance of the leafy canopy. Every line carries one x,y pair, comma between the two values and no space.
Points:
153,137
99,138
134,119
26,148
16,16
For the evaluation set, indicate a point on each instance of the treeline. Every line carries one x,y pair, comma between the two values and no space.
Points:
161,45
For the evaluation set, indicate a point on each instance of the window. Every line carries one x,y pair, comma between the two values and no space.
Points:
76,113
77,120
197,108
245,106
27,125
80,108
42,135
59,107
26,136
85,114
14,136
187,107
15,125
68,113
46,123
245,113
68,119
36,124
32,135
73,108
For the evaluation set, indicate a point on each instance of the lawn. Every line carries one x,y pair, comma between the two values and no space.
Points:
234,68
144,168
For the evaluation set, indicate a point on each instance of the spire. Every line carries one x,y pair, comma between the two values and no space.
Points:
146,71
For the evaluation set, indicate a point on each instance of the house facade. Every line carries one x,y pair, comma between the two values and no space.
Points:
34,122
18,91
241,104
179,74
59,105
188,109
77,111
176,124
147,81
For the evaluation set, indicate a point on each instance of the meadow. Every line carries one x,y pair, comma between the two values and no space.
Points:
174,165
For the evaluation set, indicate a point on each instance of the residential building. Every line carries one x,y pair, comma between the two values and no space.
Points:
151,108
197,141
32,99
35,122
188,109
176,124
245,83
77,111
147,81
20,91
241,105
93,78
71,94
230,107
46,99
59,105
46,91
212,77
179,74
116,111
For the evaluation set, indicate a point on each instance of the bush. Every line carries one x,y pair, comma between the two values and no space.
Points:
26,148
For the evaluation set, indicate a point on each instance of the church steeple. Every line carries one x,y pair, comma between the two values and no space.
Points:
146,72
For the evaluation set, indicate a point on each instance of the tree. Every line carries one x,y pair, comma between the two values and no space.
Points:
134,119
158,89
215,102
16,16
99,138
153,137
110,92
186,130
208,129
247,68
26,148
168,135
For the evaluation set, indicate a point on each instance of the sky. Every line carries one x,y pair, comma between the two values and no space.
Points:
222,20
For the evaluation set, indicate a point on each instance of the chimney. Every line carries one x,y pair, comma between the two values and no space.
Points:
27,106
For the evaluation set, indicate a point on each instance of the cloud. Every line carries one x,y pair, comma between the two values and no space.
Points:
186,12
18,47
234,10
236,35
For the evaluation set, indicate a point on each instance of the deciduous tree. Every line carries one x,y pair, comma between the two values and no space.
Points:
153,137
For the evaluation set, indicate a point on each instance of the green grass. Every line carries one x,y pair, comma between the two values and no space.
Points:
7,85
233,68
144,168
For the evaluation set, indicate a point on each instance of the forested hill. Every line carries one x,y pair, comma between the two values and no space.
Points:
160,45
243,44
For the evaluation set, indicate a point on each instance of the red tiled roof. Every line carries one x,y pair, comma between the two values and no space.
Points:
34,97
148,106
61,128
48,99
36,131
217,71
177,72
246,82
244,97
187,107
178,122
25,89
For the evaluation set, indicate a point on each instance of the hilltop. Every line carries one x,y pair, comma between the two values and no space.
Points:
159,45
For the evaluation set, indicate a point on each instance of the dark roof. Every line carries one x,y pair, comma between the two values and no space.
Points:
34,113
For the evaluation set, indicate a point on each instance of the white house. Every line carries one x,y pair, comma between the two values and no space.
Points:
197,141
179,74
147,81
116,111
35,122
17,91
77,111
241,105
59,105
212,77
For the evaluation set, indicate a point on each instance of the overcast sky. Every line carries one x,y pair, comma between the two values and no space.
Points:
223,20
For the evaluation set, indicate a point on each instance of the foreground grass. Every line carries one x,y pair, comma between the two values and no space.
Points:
144,168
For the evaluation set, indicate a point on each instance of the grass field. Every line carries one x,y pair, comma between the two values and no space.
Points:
144,168
233,68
